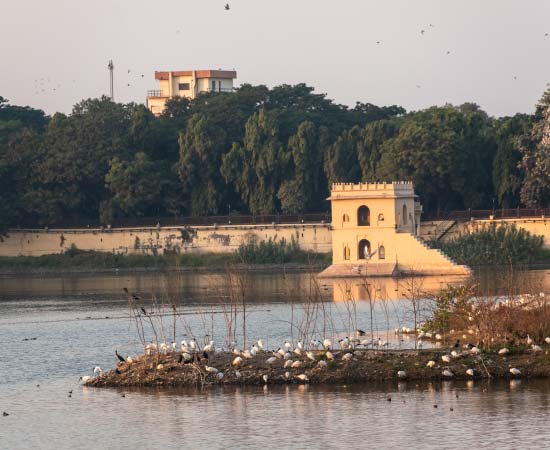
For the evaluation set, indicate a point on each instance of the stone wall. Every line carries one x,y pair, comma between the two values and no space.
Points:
200,239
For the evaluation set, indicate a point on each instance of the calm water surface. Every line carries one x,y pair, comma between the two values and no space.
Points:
78,322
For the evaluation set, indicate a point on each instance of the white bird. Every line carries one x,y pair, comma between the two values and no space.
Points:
85,379
287,363
296,364
298,352
430,364
428,335
129,360
287,375
381,343
238,374
246,354
219,375
300,345
438,337
446,358
287,355
98,371
265,377
271,360
329,355
236,351
315,344
536,348
327,343
238,361
261,344
186,356
254,350
310,355
503,351
193,344
322,363
470,372
211,369
475,350
160,366
184,344
529,340
515,372
547,340
303,377
281,352
447,373
347,357
288,346
402,374
208,348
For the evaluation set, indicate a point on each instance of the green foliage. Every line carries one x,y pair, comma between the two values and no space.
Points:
261,150
447,152
451,303
492,245
535,149
275,251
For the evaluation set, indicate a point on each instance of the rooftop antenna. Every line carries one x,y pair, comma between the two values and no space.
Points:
111,68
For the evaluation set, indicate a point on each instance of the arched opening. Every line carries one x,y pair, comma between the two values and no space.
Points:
380,217
363,216
364,249
404,214
381,252
345,218
346,253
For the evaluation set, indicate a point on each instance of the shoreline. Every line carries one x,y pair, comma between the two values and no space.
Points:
88,271
365,366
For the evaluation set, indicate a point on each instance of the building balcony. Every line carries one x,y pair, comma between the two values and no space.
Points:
156,93
216,90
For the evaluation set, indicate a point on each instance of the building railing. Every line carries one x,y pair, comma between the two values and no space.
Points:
276,219
489,214
216,90
232,219
156,93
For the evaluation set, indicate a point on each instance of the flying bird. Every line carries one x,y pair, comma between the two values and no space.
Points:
227,7
422,32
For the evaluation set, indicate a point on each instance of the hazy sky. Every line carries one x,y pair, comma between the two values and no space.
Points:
331,45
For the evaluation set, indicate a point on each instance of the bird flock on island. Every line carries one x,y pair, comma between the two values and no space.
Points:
317,355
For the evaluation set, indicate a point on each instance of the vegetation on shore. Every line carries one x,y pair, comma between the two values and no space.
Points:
269,252
495,245
258,150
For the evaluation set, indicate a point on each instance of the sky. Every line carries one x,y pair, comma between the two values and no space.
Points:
495,53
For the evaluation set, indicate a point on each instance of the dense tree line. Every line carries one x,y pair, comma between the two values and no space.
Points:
260,151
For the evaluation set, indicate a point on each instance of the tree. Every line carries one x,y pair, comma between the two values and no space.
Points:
341,163
447,152
507,176
535,162
369,146
201,149
257,168
136,187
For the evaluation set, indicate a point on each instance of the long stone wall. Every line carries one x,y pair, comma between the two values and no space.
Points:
200,239
203,239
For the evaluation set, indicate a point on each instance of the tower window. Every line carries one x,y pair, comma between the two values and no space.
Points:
363,216
183,86
345,218
364,249
381,252
404,214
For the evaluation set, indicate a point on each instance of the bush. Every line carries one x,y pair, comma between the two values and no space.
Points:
492,245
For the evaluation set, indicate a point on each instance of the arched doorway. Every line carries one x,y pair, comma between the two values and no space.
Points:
364,249
363,216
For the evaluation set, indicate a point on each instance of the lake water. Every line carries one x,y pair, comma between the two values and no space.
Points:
55,329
